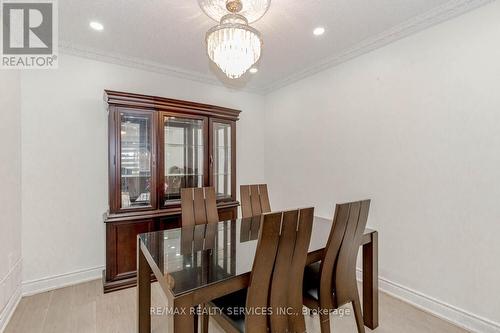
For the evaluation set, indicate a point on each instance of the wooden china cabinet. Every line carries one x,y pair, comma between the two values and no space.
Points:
156,147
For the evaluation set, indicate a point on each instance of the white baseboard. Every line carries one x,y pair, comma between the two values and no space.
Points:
457,316
11,285
9,309
62,280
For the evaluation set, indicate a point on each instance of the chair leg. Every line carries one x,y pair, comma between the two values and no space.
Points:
196,323
356,305
324,321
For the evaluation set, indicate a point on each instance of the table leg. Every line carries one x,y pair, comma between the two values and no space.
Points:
143,292
182,319
370,282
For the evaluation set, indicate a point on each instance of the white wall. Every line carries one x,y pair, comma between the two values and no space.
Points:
415,126
64,154
10,193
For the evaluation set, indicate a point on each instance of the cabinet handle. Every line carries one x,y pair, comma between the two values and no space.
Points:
211,160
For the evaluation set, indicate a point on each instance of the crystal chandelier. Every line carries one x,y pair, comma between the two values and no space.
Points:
233,45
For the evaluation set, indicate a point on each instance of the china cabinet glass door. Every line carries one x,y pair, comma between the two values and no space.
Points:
222,158
184,155
136,160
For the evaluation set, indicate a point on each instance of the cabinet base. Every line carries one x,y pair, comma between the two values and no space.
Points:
121,242
109,286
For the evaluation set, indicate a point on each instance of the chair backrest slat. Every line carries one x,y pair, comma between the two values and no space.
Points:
198,206
211,205
187,207
330,256
278,270
254,200
338,267
278,299
345,270
304,229
265,206
200,212
246,204
262,269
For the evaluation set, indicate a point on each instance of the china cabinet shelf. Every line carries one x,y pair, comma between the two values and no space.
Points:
184,145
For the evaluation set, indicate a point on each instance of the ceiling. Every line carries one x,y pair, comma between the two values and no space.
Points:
168,35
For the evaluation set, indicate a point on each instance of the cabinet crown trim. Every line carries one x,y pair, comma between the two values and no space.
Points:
131,100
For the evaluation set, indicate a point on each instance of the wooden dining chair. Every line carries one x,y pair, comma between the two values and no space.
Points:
275,280
254,200
198,206
332,282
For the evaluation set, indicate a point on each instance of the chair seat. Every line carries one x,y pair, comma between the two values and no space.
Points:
232,306
311,281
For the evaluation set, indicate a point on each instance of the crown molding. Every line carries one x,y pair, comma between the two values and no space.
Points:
449,10
437,15
138,63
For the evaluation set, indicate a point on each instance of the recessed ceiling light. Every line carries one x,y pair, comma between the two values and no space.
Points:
253,70
319,31
96,26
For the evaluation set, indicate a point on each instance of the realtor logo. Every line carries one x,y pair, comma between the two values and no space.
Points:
29,34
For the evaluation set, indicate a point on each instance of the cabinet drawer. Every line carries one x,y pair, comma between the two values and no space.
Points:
169,222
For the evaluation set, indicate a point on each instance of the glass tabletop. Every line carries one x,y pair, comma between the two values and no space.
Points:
193,257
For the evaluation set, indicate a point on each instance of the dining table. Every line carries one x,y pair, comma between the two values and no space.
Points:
196,264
